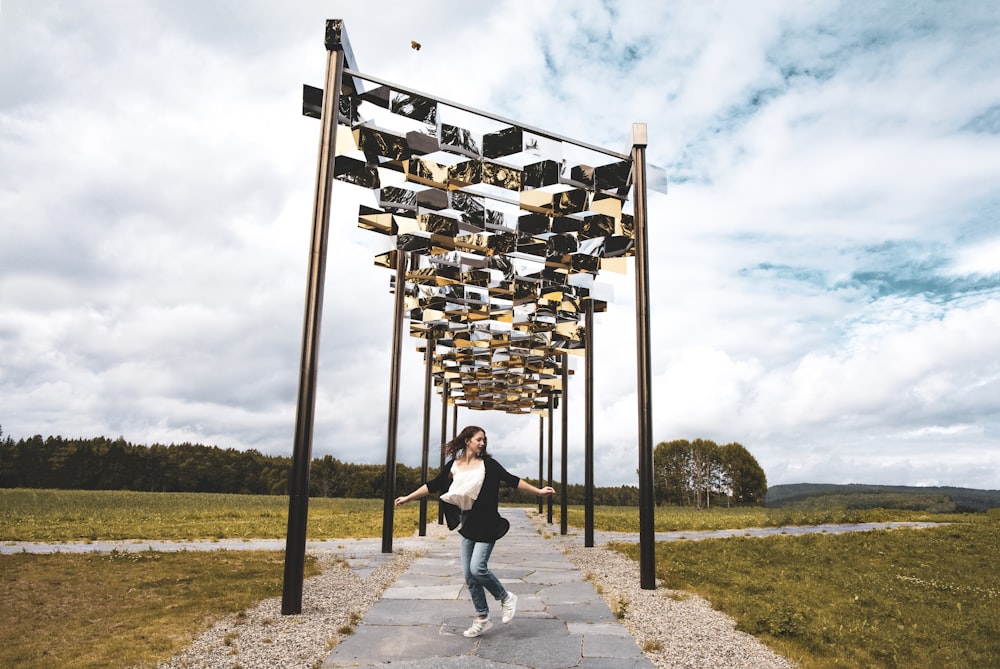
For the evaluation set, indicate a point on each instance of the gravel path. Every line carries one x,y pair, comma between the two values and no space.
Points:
675,629
263,638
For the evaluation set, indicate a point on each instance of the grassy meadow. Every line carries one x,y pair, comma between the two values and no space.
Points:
902,598
95,515
895,598
117,610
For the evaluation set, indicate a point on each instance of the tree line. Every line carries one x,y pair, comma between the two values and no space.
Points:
101,463
701,474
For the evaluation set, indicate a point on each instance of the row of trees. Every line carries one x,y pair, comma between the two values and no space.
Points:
701,473
115,464
695,473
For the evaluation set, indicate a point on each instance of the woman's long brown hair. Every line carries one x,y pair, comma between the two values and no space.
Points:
457,445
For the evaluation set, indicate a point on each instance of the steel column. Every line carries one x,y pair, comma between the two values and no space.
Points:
564,496
588,440
549,500
298,483
541,459
428,364
647,507
444,438
389,489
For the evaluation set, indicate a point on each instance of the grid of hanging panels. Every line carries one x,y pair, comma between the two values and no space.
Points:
505,230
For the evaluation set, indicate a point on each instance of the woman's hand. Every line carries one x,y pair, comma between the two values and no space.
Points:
547,490
422,491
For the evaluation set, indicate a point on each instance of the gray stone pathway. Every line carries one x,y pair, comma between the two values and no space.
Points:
561,621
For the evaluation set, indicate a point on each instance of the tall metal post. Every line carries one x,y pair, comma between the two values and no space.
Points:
551,481
588,440
298,483
647,507
541,459
444,438
389,490
424,465
564,496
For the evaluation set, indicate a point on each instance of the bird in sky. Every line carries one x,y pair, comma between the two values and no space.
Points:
415,45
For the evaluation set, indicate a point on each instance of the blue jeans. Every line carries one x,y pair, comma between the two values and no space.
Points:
479,578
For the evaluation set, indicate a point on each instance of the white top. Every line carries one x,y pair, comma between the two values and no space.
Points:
465,485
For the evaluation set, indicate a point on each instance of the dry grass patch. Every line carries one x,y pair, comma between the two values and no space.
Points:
124,609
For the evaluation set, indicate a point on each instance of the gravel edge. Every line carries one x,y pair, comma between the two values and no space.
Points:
262,638
675,629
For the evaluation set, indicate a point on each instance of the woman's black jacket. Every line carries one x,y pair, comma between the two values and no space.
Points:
483,521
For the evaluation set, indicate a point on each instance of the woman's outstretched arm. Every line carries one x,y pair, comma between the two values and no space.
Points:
422,491
527,487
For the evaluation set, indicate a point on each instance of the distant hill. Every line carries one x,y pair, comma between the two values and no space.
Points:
856,495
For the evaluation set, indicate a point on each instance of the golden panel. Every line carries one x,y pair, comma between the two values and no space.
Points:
376,220
542,173
416,107
427,172
505,142
465,173
501,176
438,224
571,201
617,265
459,139
538,201
615,176
378,143
597,225
354,171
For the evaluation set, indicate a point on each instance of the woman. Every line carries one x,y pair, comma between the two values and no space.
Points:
470,487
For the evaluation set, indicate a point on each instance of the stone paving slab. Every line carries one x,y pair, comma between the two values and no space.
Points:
561,621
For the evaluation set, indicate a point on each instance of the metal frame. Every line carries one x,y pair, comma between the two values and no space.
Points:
341,72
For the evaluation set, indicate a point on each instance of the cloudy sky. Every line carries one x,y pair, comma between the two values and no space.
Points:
825,266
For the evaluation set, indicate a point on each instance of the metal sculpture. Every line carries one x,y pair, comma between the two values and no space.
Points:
499,232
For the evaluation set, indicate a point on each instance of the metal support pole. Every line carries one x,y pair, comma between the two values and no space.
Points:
389,491
424,465
298,483
588,440
563,527
647,533
551,482
444,438
541,459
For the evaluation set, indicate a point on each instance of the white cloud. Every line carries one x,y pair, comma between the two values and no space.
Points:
823,271
982,259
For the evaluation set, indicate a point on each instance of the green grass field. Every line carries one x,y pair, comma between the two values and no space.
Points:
903,598
88,515
896,598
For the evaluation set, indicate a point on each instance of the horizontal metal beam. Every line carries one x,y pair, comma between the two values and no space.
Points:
486,114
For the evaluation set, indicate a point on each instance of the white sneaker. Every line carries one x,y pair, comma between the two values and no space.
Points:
478,627
508,608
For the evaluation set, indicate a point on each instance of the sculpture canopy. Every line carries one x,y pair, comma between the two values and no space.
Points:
503,229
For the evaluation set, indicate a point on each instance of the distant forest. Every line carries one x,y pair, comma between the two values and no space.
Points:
115,464
862,496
